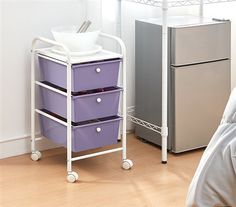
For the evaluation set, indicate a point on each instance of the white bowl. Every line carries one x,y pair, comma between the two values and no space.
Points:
76,42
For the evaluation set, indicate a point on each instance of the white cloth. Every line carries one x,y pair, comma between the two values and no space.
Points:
214,183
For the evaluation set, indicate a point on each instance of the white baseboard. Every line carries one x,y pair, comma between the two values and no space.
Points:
20,146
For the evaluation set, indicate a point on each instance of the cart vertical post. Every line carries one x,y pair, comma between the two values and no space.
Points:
32,101
69,140
124,136
71,175
126,164
164,129
35,155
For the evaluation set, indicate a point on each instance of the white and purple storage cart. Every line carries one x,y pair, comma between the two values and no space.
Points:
80,98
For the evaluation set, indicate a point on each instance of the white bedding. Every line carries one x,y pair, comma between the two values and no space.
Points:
214,183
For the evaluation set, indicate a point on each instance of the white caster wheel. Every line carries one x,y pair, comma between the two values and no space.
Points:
127,164
72,177
35,156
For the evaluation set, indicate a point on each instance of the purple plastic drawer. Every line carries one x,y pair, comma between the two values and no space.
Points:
101,103
84,76
85,136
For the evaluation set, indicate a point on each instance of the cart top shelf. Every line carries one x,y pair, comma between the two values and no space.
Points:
178,3
103,55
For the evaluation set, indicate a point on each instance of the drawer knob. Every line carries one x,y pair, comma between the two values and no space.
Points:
99,100
98,70
98,130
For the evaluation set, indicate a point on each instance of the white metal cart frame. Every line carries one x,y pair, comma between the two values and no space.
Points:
36,155
165,5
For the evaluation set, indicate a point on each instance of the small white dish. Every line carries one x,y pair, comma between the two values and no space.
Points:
95,50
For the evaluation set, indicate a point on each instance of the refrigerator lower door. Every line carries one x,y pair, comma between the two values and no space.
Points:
200,93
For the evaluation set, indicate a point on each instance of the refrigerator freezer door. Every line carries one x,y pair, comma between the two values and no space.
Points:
200,43
200,95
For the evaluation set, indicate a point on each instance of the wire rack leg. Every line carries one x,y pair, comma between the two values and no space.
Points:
164,131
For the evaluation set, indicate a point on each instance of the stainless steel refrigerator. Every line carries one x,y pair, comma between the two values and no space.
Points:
199,78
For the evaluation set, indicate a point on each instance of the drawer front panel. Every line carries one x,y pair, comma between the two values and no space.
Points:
84,107
88,136
84,76
96,75
97,135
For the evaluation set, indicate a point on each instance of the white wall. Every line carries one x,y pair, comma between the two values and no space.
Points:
104,16
20,22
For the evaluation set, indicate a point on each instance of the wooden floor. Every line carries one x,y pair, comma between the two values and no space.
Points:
24,183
